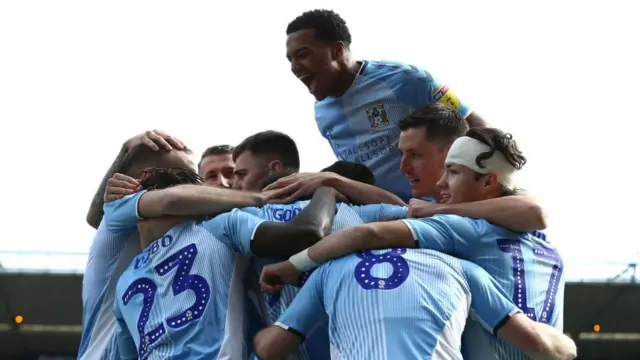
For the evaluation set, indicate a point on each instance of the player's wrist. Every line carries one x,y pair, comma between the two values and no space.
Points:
302,261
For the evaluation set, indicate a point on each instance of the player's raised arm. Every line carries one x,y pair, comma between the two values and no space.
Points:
517,212
312,224
251,235
296,186
193,200
304,313
441,233
155,140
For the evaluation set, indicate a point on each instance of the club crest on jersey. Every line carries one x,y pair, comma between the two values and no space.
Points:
377,116
447,98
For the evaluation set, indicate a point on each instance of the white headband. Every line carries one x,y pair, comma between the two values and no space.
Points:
465,150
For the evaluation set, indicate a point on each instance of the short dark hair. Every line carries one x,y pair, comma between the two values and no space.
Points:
162,178
499,141
275,176
328,25
442,124
272,143
145,156
353,171
216,150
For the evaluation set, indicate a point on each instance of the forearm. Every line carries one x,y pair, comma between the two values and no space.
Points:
193,200
312,224
343,242
319,213
274,343
120,164
519,212
554,344
361,193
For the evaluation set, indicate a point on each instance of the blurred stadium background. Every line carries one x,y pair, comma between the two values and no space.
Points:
41,308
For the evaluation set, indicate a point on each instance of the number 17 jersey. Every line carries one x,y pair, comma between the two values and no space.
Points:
527,267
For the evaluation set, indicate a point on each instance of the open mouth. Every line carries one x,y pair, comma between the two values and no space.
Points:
307,80
414,182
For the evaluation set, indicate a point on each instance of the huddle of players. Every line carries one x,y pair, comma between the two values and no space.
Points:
188,294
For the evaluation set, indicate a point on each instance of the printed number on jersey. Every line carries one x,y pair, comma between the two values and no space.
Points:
392,257
182,260
520,283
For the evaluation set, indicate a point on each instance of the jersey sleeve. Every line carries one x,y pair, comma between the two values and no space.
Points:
121,216
490,305
307,308
381,212
235,228
126,344
423,89
450,234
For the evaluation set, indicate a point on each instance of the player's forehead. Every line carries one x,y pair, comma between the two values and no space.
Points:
216,162
456,167
412,138
305,38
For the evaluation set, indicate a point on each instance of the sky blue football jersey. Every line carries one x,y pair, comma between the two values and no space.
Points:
398,304
183,296
362,125
115,244
272,306
526,265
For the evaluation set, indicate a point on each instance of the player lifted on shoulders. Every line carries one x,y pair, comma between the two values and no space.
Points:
359,103
479,166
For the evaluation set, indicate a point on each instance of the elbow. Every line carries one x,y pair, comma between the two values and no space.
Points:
264,349
94,218
539,216
556,347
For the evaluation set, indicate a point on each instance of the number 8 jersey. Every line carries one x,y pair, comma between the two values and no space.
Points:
526,266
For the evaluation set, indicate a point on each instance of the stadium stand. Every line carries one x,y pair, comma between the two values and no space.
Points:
41,314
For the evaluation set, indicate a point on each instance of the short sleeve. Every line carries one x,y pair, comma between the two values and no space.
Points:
490,305
235,228
126,344
121,216
446,233
307,308
424,89
381,212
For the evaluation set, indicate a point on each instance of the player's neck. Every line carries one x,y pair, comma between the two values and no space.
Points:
153,229
348,72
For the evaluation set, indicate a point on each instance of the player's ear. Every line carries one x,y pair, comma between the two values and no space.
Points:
491,181
337,50
276,166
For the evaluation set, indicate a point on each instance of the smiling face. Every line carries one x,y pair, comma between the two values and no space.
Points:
460,184
422,161
314,62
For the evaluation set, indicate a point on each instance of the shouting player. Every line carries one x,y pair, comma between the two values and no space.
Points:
359,103
479,166
182,297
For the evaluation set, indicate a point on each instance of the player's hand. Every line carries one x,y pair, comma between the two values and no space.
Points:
275,276
119,186
155,140
295,186
421,208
